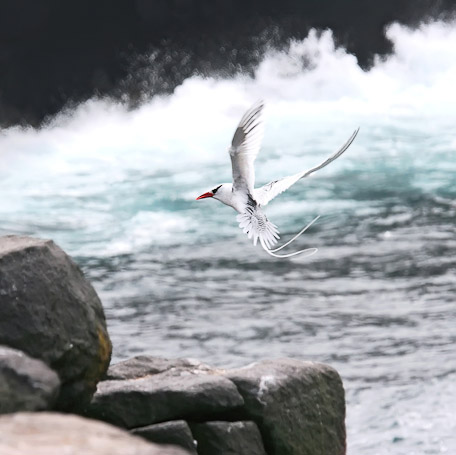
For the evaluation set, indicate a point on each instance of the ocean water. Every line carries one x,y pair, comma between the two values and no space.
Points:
177,277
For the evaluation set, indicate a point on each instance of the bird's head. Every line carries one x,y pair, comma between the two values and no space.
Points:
220,192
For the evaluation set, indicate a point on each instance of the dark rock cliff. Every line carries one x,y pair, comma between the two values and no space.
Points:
55,53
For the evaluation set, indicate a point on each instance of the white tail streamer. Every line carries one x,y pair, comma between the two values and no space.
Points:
296,236
308,251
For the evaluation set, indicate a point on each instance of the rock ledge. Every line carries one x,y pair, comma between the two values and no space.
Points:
279,407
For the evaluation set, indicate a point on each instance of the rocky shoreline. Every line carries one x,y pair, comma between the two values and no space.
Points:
55,353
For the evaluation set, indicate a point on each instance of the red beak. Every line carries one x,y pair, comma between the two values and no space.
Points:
205,195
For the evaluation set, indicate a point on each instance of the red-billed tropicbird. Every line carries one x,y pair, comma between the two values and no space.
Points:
248,201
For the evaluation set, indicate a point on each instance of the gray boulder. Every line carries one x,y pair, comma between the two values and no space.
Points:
176,432
185,391
51,312
228,438
54,434
298,406
26,384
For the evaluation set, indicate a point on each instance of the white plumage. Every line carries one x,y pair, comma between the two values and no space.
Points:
241,194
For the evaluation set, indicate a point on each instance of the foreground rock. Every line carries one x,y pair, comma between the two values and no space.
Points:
298,406
51,312
57,434
176,432
26,384
283,406
228,438
181,392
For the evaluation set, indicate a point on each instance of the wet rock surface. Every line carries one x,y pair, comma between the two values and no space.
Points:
51,312
228,438
54,434
26,384
176,432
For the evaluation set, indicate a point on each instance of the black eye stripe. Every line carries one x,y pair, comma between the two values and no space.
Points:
216,189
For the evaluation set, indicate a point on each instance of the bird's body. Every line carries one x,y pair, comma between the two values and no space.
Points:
241,194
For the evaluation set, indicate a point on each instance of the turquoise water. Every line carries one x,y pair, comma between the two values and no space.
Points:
177,277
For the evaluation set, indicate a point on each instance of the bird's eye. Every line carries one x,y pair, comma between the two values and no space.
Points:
216,189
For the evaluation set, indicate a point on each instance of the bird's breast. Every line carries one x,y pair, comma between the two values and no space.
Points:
240,201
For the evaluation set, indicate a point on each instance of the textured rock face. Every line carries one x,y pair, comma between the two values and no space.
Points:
51,312
176,432
298,406
278,407
57,434
228,438
175,393
26,384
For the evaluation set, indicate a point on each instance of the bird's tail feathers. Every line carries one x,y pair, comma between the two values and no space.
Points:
304,229
307,252
256,225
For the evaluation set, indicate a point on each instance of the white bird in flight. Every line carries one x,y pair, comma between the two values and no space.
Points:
248,201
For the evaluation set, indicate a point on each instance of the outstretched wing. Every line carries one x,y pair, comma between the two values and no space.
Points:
256,225
269,191
245,147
